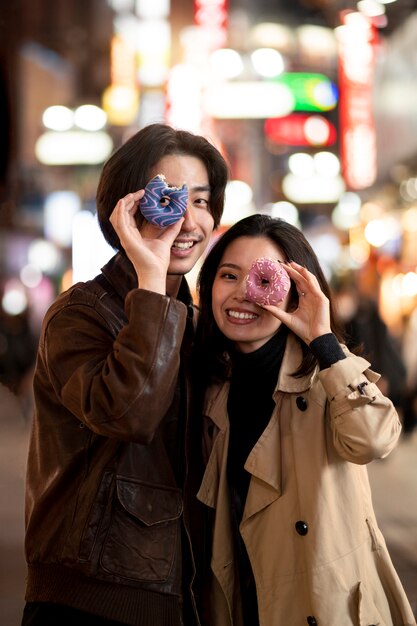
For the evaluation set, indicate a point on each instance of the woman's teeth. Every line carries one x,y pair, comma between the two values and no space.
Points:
242,316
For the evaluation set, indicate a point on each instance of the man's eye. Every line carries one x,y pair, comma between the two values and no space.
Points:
164,201
201,202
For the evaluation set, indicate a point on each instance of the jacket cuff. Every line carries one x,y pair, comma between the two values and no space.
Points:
349,374
327,350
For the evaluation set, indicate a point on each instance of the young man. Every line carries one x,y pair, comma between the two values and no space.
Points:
108,478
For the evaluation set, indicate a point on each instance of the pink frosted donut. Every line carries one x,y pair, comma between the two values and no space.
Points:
267,282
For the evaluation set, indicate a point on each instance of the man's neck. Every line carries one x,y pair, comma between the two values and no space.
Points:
173,285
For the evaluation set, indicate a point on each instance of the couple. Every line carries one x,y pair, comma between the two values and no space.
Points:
142,509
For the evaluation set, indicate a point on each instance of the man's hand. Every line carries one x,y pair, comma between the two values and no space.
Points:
149,249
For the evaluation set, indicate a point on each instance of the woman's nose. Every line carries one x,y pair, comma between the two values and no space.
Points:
240,290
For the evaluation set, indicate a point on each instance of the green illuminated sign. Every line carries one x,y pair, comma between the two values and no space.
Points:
311,91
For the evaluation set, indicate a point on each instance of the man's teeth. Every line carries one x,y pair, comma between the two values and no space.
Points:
183,245
242,316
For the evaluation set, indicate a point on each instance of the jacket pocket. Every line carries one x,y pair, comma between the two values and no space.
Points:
143,534
369,615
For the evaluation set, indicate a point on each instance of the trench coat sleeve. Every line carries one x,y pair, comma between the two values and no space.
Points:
119,386
364,422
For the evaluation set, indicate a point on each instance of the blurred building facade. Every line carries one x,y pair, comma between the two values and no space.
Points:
340,161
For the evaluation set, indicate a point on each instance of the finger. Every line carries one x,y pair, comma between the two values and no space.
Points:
296,277
127,203
171,232
134,196
168,234
305,280
280,314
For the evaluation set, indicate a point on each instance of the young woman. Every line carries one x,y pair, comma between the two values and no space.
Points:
291,419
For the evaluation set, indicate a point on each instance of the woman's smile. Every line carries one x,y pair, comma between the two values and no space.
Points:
241,321
240,316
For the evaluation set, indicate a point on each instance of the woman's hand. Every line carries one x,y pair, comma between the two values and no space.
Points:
311,318
149,249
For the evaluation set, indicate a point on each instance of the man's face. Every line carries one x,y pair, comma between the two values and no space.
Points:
198,224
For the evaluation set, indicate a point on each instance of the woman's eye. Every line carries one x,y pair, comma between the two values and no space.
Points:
228,276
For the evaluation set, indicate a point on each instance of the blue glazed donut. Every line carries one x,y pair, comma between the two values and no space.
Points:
163,205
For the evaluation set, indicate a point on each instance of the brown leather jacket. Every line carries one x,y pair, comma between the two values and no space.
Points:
105,515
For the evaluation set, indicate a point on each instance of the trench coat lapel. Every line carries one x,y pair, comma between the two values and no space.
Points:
265,460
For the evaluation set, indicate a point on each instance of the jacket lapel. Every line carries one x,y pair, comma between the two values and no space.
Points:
265,460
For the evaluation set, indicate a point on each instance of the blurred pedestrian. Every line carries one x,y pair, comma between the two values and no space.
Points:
109,500
18,345
409,348
366,333
291,420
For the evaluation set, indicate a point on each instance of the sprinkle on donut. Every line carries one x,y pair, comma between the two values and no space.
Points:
267,282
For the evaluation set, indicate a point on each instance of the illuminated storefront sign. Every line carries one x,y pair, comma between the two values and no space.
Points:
187,80
311,91
357,39
300,129
73,147
210,16
121,97
247,100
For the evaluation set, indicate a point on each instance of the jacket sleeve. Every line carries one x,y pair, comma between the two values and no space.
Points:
364,422
119,386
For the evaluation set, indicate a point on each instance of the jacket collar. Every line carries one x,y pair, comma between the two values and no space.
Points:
268,447
121,274
287,382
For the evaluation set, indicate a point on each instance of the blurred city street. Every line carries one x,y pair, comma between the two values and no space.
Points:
312,104
394,482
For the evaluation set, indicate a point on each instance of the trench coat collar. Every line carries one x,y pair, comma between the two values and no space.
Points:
264,461
291,361
216,408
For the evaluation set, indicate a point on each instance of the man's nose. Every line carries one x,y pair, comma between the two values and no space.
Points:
189,223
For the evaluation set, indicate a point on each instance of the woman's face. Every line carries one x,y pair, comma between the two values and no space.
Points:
243,322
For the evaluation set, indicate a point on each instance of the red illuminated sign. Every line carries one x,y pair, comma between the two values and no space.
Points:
211,17
357,55
300,130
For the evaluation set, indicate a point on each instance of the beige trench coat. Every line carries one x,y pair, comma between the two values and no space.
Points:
309,527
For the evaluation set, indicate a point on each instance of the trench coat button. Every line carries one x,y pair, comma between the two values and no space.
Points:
311,620
301,527
301,403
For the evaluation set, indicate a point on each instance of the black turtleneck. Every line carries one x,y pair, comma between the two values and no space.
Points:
250,404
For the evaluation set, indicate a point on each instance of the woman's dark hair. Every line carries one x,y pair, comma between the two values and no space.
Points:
127,170
212,346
